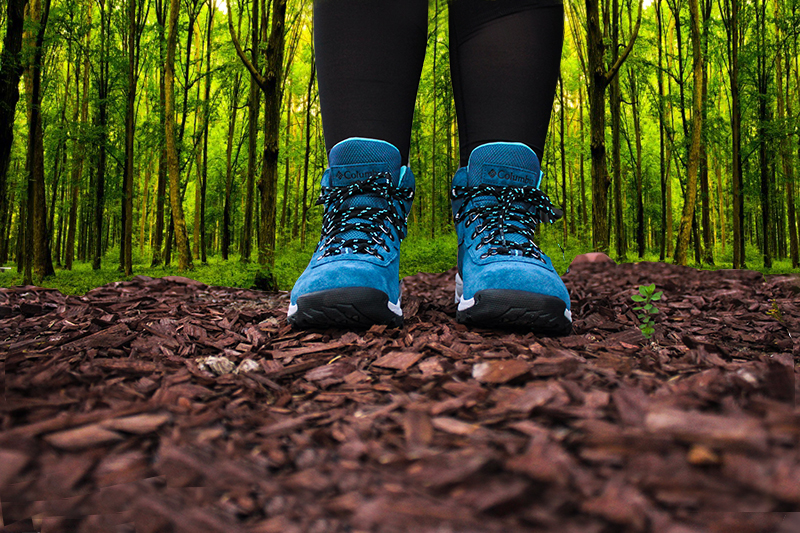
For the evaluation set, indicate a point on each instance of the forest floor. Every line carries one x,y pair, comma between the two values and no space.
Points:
112,420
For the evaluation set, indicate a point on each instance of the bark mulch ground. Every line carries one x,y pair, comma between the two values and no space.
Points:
165,405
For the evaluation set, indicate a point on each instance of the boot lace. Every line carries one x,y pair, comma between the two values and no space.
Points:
371,224
517,210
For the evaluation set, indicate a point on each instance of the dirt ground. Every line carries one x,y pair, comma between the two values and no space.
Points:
113,420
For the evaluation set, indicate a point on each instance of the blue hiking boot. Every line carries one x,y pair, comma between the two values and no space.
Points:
353,279
504,279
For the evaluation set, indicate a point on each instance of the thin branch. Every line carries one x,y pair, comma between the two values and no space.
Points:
621,59
259,79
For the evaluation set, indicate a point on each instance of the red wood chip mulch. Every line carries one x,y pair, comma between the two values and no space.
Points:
168,405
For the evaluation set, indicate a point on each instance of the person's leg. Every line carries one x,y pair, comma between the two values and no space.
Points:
505,58
369,56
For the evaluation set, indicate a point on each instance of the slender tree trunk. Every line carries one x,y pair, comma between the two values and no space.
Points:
763,86
584,218
599,79
597,128
615,98
197,133
226,209
637,131
433,133
662,175
705,188
102,85
286,158
161,186
184,254
564,205
11,67
78,149
22,238
206,115
694,151
5,243
247,237
272,121
126,243
739,259
39,262
785,109
307,152
143,206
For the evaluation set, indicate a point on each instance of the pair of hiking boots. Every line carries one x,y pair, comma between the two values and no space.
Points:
503,279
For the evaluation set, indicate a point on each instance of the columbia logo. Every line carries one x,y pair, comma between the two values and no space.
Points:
492,173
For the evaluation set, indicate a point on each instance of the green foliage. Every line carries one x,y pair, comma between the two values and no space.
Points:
646,309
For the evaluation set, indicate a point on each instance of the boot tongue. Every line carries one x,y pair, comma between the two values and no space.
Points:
503,164
357,159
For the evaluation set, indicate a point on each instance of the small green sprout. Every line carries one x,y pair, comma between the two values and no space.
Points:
775,311
647,295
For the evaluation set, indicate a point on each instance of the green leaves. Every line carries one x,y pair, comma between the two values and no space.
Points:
647,295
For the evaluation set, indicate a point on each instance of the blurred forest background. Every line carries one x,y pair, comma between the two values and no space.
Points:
162,136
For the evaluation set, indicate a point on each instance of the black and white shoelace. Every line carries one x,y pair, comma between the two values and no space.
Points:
372,223
517,210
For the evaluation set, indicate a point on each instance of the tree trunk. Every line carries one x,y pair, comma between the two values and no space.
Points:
763,86
268,186
226,209
78,149
102,94
662,175
784,110
583,152
287,136
694,150
597,127
252,127
705,188
599,79
637,131
563,159
307,152
126,243
143,206
184,254
39,262
732,27
5,242
206,115
615,98
433,133
11,67
161,186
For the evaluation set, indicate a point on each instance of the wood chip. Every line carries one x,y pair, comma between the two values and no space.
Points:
82,438
500,371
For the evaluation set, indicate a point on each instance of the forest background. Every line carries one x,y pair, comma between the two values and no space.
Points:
162,136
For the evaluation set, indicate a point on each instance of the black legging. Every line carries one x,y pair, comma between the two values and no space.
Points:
504,62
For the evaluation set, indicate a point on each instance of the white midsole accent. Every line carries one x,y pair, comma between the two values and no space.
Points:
394,308
466,304
462,303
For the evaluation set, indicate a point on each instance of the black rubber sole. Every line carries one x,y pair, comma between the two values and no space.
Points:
348,307
512,309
